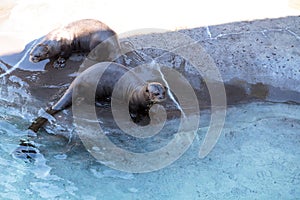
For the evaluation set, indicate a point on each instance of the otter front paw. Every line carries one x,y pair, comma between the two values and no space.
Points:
59,63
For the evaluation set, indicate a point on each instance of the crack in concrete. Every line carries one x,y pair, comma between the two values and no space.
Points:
263,32
208,32
173,50
292,33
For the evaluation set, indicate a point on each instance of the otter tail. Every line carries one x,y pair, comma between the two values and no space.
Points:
64,102
40,121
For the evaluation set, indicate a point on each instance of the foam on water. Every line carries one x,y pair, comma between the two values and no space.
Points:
256,157
44,114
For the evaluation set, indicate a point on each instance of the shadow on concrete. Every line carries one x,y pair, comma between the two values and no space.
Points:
241,51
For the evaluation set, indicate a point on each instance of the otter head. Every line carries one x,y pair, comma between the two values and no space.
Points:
157,92
39,52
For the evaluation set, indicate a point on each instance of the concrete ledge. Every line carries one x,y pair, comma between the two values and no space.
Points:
262,55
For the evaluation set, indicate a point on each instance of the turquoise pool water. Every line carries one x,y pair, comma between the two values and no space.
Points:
256,157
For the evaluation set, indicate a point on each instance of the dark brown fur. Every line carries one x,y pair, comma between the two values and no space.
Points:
140,95
79,36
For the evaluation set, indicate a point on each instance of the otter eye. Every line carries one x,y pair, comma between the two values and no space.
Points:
45,49
156,93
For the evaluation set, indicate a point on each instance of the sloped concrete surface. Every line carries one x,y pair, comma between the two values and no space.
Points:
256,157
261,57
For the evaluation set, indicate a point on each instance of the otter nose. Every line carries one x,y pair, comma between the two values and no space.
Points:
34,59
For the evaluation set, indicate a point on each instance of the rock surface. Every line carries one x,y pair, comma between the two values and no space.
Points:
257,59
256,156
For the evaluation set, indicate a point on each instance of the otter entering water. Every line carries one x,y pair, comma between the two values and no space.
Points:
141,95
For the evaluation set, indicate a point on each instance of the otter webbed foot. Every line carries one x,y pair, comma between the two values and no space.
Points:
59,63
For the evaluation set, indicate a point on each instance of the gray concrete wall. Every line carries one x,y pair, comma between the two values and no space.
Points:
259,59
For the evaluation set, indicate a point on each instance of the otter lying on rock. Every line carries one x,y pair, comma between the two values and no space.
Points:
79,36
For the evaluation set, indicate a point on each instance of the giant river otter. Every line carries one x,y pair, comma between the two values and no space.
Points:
141,95
79,36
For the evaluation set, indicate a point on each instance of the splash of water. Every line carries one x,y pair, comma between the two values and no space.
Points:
153,64
20,61
44,114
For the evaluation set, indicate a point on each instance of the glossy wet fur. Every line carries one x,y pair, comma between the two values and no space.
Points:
39,52
157,93
142,95
79,36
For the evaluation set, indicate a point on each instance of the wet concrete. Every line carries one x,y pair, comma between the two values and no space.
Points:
258,61
256,156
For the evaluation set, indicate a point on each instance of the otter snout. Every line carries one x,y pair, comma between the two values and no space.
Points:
39,52
34,59
160,98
